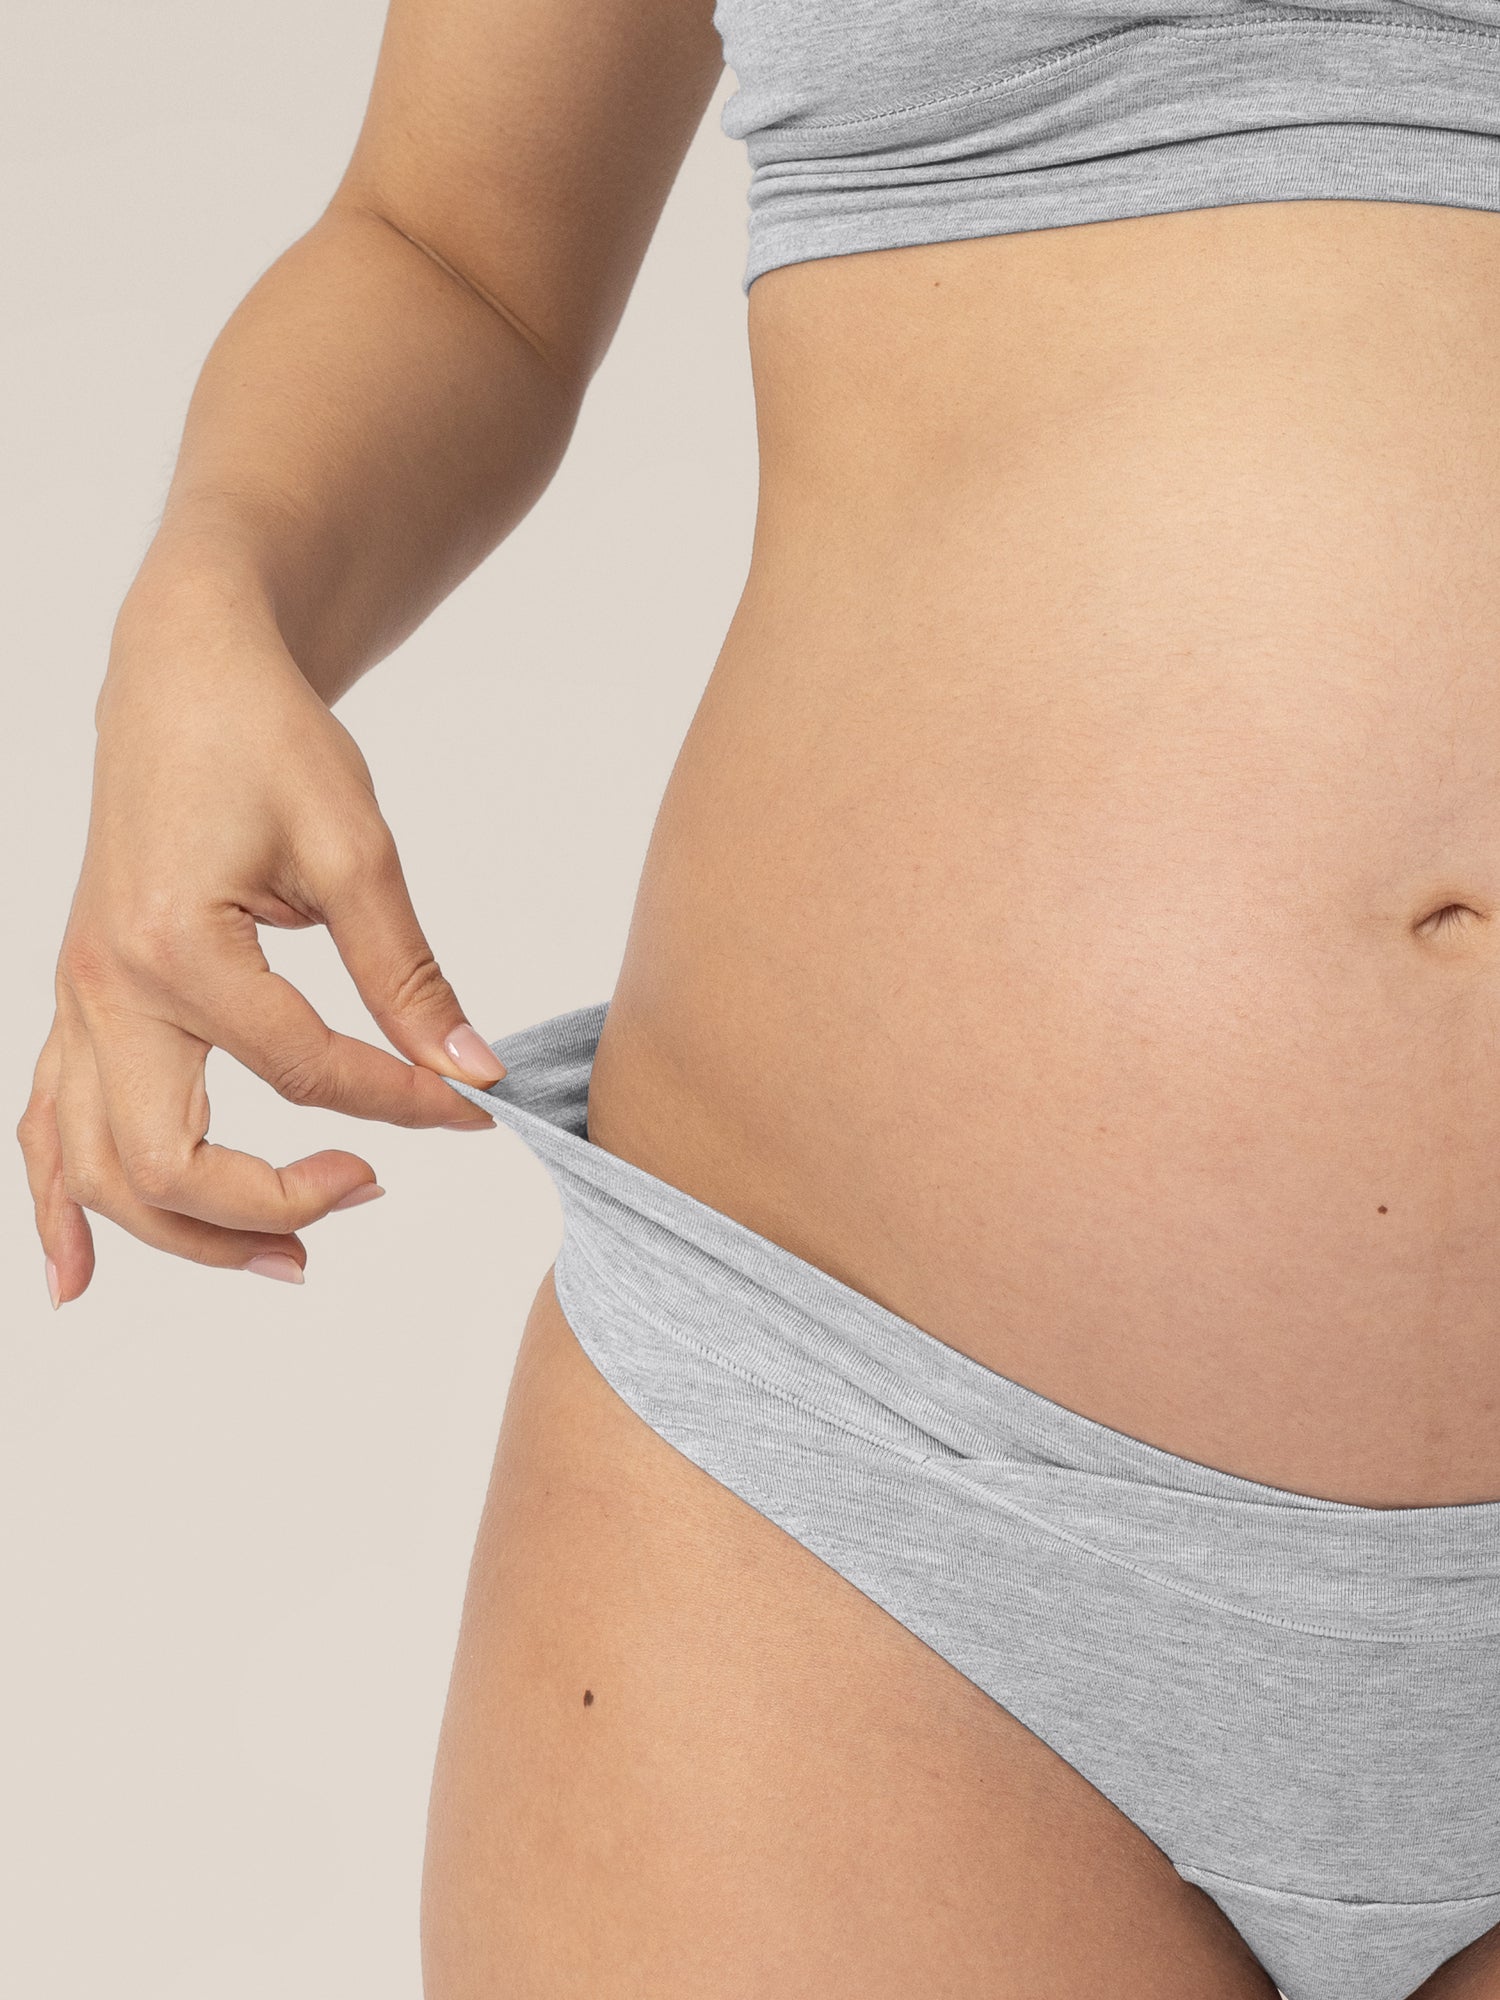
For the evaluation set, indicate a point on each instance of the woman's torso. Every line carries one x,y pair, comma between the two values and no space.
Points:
1032,932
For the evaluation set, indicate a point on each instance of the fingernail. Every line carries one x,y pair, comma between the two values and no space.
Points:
468,1124
271,1264
473,1055
356,1195
54,1284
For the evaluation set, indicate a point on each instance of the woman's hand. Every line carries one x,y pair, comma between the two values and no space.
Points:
225,795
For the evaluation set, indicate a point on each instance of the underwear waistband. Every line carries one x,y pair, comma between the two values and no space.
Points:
662,1265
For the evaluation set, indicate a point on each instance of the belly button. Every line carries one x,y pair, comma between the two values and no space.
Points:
1448,919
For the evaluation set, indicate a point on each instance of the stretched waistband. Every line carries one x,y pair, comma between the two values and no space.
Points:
660,1258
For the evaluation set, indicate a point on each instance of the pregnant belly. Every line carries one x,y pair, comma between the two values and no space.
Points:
1074,921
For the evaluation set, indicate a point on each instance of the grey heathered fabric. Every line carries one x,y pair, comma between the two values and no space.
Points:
875,123
1297,1699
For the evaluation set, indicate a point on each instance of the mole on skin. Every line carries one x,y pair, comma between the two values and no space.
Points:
588,1696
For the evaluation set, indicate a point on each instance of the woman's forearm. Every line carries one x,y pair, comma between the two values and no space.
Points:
364,431
383,407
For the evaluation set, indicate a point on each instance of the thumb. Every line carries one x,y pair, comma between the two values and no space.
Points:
375,932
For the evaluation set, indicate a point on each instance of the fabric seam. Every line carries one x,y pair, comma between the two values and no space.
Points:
1085,53
1187,1868
789,1396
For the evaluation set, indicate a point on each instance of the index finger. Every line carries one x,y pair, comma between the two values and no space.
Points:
229,997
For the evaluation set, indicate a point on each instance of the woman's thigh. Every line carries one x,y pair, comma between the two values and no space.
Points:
682,1758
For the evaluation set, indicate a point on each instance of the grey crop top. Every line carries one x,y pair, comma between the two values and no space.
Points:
873,123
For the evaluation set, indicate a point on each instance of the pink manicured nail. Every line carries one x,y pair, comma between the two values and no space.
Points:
271,1264
54,1285
473,1055
356,1195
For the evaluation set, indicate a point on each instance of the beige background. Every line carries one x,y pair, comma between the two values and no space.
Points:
236,1516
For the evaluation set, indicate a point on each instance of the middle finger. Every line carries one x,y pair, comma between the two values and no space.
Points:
95,1177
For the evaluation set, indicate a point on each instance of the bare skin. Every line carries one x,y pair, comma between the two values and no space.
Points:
1075,914
1070,921
775,1789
